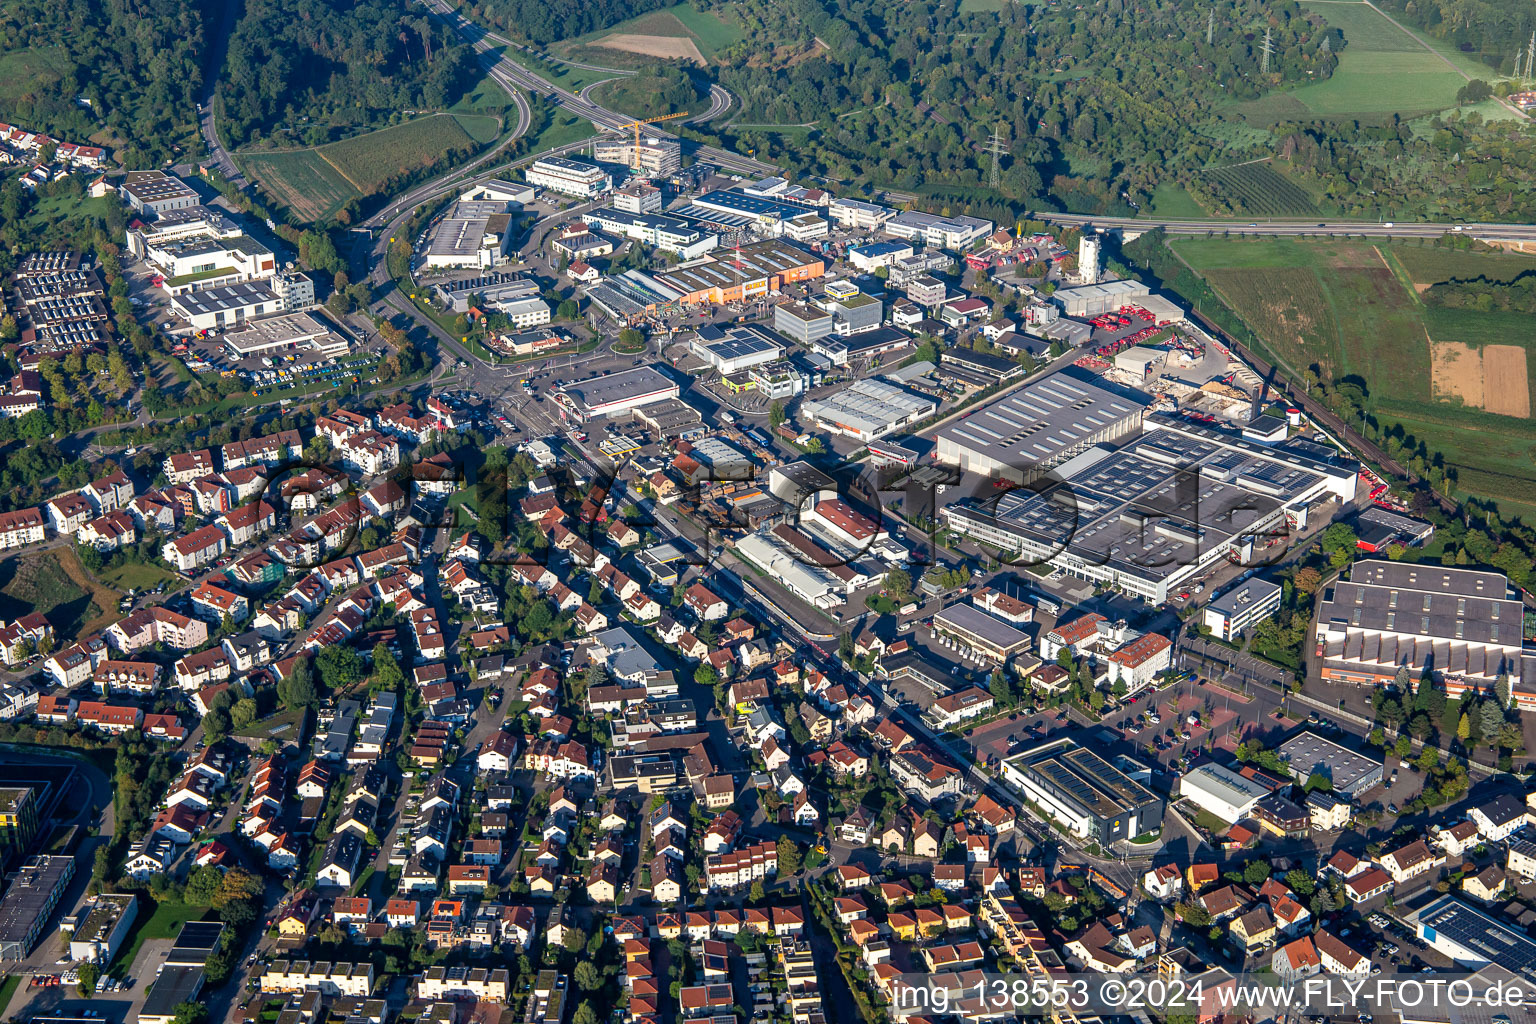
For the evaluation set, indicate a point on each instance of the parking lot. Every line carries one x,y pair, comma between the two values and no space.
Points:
1016,731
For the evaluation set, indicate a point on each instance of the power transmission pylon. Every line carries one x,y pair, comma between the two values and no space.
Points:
1530,57
1267,50
995,147
1210,27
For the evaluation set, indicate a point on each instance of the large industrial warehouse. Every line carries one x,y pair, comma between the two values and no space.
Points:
1151,516
1084,792
1351,773
868,409
614,394
985,634
1472,938
1021,435
1465,625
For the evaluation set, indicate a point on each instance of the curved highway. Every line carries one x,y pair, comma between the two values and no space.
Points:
483,41
719,102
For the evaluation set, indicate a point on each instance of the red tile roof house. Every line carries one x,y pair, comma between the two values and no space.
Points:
706,604
156,625
197,548
249,521
1367,885
1077,635
211,603
108,717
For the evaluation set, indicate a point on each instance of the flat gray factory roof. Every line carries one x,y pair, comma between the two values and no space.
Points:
1239,597
1224,782
628,294
1107,290
868,405
758,260
970,619
741,343
31,889
654,221
750,205
1035,424
1308,752
561,163
467,223
274,330
172,987
803,312
1474,930
232,296
1097,785
598,392
1433,601
1151,507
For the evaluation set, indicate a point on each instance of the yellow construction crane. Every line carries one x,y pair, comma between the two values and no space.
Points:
636,126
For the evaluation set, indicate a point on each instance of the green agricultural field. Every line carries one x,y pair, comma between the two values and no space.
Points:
368,161
707,28
300,180
487,95
1170,200
483,128
1427,265
1452,378
1258,190
562,129
1384,69
564,75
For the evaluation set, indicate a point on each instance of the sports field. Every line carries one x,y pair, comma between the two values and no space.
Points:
1458,380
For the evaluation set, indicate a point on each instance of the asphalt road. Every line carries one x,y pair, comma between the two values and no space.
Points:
1293,228
599,116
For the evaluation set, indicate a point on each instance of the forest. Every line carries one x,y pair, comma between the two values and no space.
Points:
108,72
307,71
1099,103
545,21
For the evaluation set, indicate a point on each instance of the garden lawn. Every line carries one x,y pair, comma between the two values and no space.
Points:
164,923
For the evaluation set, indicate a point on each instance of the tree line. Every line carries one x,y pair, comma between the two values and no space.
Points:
1479,293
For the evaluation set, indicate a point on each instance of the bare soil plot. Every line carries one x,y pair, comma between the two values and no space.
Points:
1493,379
1456,372
1506,389
665,47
